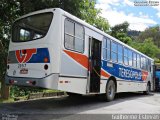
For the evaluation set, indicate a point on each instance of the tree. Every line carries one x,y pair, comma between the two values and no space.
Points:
120,32
147,47
8,11
92,15
4,88
120,28
124,38
152,32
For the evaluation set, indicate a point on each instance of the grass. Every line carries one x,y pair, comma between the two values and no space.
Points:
10,100
50,91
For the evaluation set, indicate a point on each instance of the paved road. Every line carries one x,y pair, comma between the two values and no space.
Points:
66,108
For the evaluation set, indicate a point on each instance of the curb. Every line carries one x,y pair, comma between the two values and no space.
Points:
34,96
43,95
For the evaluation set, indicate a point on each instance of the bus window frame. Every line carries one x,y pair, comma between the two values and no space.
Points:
124,47
106,48
74,22
134,60
112,41
129,50
121,54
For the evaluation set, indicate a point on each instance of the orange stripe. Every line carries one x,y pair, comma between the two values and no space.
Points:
103,73
82,59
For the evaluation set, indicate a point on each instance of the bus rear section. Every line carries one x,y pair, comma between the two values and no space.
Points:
31,56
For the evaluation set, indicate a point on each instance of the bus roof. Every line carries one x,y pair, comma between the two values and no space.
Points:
86,25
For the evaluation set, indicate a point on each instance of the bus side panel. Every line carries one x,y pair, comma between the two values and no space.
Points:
73,75
127,86
74,85
128,79
55,41
70,65
103,85
73,68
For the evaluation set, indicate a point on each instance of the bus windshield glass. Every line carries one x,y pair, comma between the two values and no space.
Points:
32,27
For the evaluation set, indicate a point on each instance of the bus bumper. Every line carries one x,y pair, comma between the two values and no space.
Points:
50,81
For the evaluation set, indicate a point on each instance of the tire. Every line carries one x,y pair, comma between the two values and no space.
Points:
73,94
110,91
148,89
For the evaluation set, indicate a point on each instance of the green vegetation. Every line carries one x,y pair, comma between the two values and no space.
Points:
152,32
147,47
148,42
6,100
120,32
16,91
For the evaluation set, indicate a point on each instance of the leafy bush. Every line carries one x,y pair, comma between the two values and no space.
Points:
17,91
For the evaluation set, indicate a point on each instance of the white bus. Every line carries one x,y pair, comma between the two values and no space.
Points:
53,49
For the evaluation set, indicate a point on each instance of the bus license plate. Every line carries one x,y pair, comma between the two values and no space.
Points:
24,71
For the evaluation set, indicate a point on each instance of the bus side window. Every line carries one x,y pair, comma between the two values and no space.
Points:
134,60
130,57
138,61
79,37
146,63
108,49
69,34
104,49
114,52
120,54
143,63
125,56
149,65
74,36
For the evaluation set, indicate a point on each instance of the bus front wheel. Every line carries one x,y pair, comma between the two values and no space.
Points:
110,90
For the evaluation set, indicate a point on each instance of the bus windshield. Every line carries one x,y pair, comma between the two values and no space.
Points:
32,27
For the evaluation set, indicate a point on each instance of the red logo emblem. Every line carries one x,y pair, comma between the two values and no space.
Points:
24,56
144,75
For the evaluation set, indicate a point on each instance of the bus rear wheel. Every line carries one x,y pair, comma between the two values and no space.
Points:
73,94
110,90
148,89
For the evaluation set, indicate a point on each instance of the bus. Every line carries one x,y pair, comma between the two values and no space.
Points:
53,49
157,77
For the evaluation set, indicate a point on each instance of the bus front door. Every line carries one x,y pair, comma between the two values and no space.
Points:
94,65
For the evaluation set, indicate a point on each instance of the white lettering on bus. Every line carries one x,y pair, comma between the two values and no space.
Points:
129,73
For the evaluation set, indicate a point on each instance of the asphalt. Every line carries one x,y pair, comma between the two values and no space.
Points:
82,108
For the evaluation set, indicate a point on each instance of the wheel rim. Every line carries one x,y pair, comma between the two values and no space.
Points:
111,89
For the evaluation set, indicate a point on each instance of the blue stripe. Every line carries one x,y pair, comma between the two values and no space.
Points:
122,72
40,55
